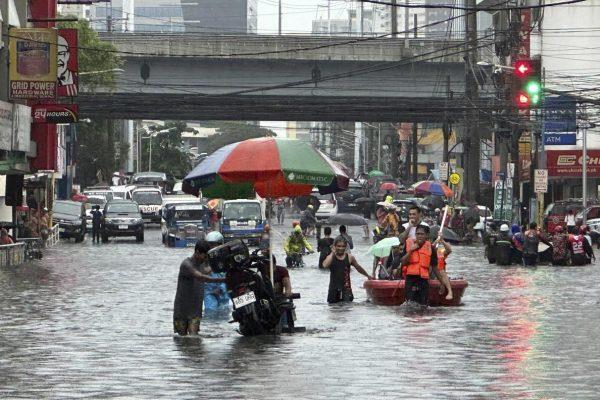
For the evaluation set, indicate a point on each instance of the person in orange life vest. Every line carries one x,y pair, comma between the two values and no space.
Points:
580,249
418,260
443,250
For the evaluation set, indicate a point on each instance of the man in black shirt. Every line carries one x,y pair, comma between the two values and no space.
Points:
193,273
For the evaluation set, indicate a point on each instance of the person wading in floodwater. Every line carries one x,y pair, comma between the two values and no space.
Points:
193,273
339,262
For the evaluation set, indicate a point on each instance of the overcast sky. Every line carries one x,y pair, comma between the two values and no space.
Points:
297,15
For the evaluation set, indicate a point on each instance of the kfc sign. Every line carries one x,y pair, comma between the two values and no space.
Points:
570,163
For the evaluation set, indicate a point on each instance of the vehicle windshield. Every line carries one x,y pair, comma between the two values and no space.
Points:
562,208
323,197
147,197
122,208
106,194
242,211
67,208
189,215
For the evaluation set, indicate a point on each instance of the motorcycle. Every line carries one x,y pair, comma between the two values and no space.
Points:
255,307
296,260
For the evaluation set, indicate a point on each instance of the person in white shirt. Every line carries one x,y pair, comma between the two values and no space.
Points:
414,220
570,221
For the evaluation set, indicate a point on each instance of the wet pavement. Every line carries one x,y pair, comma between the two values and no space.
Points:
95,320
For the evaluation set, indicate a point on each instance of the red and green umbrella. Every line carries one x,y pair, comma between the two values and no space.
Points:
273,167
432,188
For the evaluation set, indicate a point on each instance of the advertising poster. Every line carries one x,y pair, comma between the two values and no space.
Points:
32,63
67,63
21,127
6,117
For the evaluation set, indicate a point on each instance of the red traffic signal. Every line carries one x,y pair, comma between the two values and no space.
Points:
523,100
523,68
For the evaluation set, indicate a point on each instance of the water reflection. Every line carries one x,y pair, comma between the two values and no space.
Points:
95,321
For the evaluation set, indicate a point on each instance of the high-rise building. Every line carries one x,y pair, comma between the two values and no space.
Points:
218,16
138,16
405,20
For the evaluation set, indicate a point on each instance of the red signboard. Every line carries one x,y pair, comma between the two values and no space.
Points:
67,65
569,163
54,113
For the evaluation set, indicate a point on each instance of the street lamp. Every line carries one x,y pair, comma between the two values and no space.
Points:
150,136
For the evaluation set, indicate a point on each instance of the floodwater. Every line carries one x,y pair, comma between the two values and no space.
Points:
95,321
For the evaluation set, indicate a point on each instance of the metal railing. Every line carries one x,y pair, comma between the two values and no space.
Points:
53,236
12,254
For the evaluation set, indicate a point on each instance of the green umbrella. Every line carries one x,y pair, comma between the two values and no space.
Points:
375,173
384,247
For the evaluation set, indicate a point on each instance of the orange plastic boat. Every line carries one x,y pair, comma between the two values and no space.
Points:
391,293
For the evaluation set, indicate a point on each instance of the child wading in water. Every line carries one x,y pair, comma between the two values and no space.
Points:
443,250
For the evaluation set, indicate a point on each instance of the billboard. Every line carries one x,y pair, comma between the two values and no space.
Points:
67,63
560,121
568,163
32,63
6,117
21,127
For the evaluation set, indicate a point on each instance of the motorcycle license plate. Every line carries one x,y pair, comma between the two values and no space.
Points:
244,300
123,226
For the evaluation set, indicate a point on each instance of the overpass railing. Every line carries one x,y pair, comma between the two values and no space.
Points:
12,254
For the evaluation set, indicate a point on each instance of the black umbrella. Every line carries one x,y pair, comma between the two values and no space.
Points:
449,235
302,202
346,219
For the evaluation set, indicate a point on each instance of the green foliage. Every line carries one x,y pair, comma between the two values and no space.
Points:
95,152
231,132
167,153
94,55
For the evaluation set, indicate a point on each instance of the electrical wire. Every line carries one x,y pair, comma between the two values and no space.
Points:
477,8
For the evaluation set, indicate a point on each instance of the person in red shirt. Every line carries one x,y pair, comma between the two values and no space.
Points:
5,237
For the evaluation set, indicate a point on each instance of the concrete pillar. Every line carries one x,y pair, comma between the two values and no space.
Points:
358,139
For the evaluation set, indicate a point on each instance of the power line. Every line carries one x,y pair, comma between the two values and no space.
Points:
490,8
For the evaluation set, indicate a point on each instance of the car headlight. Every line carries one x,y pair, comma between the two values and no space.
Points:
137,221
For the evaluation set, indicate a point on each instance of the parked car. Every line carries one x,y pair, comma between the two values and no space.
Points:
592,214
122,218
122,191
99,191
555,212
329,204
346,199
70,217
485,214
150,200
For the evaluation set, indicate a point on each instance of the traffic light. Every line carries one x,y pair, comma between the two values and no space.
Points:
527,83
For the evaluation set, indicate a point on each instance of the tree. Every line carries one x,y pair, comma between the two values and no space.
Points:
168,155
95,141
231,132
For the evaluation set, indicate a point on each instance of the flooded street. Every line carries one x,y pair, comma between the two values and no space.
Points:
93,320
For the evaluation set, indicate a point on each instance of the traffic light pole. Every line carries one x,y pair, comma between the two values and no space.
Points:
472,141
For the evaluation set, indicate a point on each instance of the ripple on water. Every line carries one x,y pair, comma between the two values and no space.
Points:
94,321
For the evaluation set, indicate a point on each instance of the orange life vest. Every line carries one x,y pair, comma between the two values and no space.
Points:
418,263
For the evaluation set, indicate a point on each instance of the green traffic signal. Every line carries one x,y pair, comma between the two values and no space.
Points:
533,87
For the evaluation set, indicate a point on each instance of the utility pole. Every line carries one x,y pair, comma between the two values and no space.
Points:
472,118
406,11
362,18
394,19
446,128
279,25
329,17
415,160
